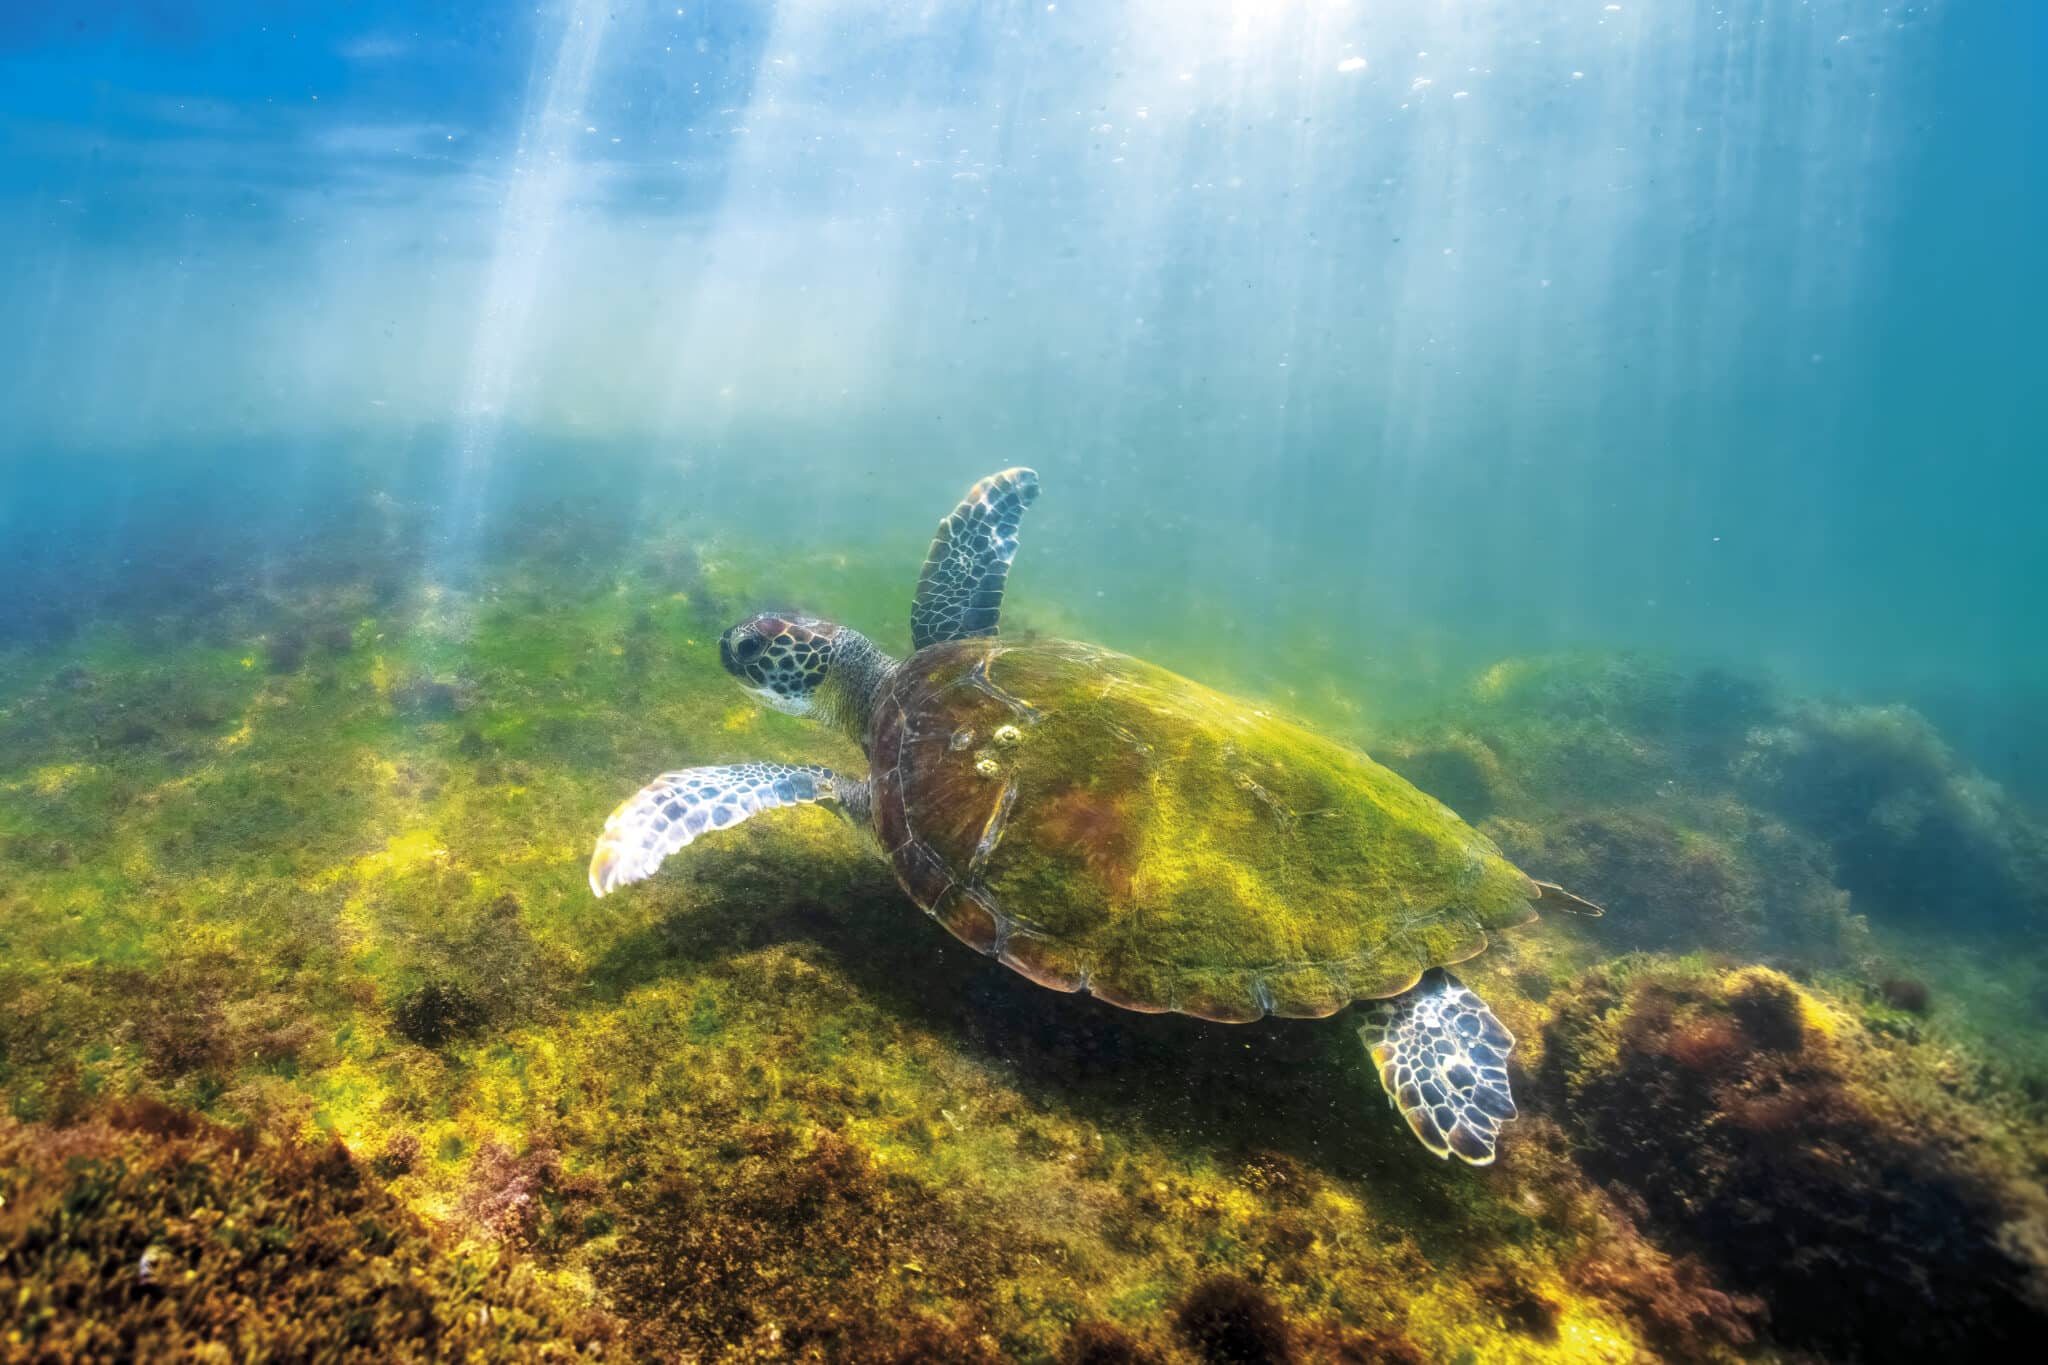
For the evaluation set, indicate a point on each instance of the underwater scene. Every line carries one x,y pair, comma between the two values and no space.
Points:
1172,681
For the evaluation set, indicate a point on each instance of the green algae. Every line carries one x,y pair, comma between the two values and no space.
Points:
142,1232
762,1108
1176,848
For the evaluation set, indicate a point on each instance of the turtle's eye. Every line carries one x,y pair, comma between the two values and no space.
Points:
748,648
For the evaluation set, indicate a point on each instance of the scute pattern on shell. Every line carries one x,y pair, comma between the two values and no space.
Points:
1096,823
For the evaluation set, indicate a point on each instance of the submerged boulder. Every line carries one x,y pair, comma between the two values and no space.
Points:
1836,1173
1457,768
1718,876
1714,812
1916,834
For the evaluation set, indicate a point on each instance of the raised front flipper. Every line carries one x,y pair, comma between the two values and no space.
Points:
1443,1057
960,592
676,808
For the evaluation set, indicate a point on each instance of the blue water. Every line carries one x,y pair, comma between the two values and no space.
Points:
1472,329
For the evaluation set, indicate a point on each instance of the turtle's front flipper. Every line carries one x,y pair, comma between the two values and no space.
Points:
1442,1057
960,592
675,808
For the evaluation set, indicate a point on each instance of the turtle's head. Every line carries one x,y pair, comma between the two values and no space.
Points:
782,658
807,667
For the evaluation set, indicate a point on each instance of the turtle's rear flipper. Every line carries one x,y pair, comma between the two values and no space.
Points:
675,808
1442,1057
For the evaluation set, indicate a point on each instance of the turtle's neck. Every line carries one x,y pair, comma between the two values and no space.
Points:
846,699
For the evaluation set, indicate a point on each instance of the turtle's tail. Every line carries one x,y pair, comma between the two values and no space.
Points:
1551,896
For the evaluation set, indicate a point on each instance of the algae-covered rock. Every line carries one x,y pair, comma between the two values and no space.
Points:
1229,1321
481,968
1095,1342
1574,729
1714,875
1457,768
437,1013
147,1233
1915,833
1821,1166
802,1250
1882,807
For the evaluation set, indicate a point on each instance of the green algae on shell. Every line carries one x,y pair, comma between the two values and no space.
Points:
1098,822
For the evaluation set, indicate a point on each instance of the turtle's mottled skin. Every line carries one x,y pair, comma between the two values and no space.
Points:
1101,825
1098,823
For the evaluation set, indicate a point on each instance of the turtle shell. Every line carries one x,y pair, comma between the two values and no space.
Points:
1101,824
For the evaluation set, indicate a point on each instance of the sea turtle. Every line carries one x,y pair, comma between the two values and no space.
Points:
1099,824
